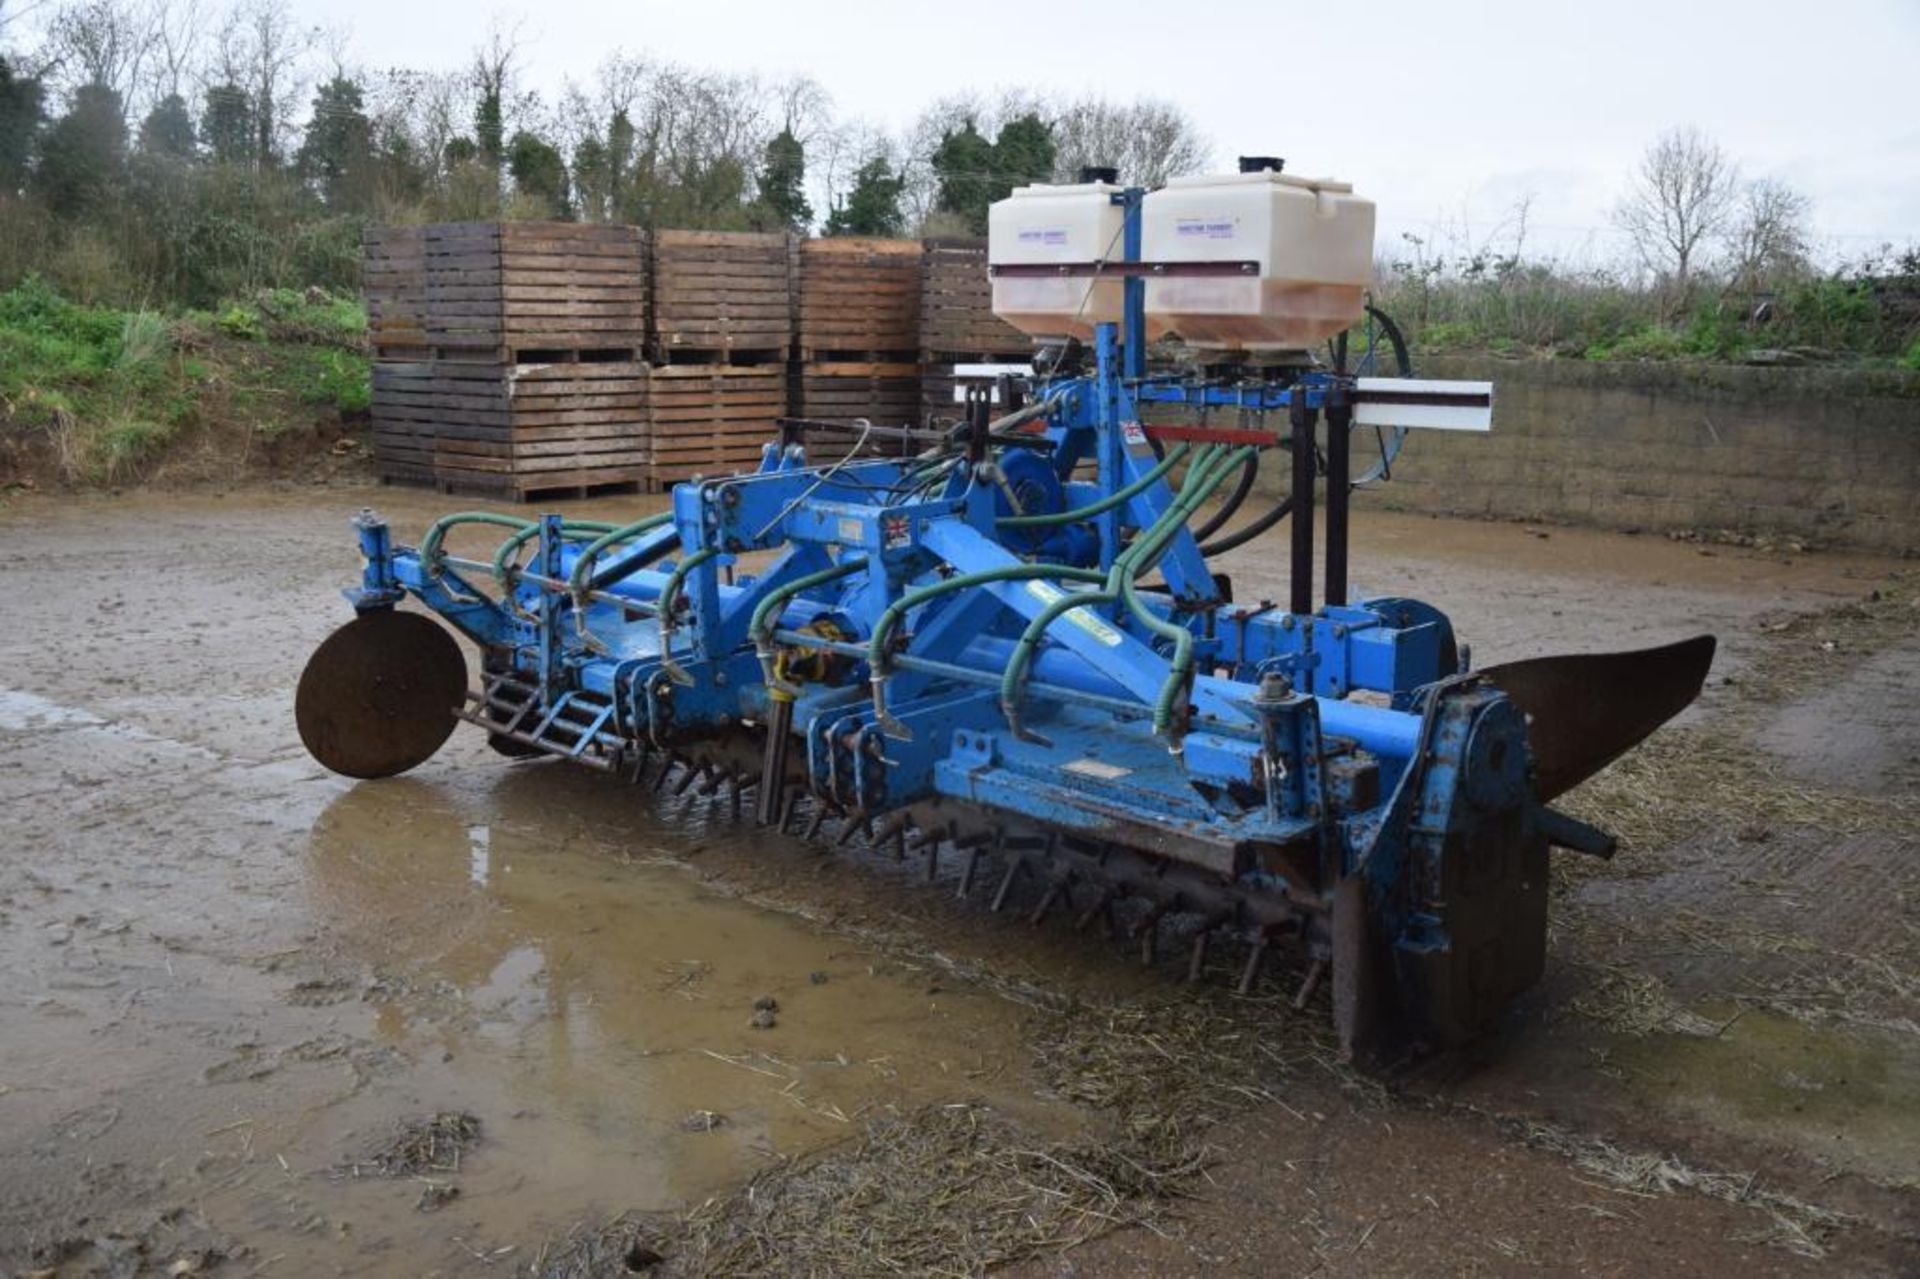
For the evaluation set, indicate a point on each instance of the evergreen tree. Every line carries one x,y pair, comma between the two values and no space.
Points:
783,179
963,168
226,126
1023,154
873,206
22,107
593,179
539,173
489,127
621,163
337,153
167,132
83,155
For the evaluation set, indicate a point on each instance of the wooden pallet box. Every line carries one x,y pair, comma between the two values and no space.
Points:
726,295
956,306
511,291
858,297
712,419
510,429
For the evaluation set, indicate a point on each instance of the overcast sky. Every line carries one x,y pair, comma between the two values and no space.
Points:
1442,110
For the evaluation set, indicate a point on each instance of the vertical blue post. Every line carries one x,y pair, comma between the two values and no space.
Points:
1134,288
378,586
1109,439
551,603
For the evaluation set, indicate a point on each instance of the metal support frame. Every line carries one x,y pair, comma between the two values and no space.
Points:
866,658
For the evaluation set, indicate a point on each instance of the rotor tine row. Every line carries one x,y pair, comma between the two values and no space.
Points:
1084,865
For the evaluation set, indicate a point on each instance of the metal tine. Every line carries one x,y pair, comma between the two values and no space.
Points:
1147,927
971,846
640,758
1102,908
851,823
892,829
666,770
1251,973
688,778
1014,868
814,819
1310,983
1197,962
788,807
739,786
1058,890
967,868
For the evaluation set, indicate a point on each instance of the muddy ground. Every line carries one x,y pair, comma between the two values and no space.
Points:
500,1018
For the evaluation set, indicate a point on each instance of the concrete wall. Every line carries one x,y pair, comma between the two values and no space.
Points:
1828,455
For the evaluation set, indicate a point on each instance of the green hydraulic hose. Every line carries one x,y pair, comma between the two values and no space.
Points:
580,579
670,593
1192,492
767,613
883,630
669,596
1207,474
766,616
1180,636
1015,676
510,548
437,533
1107,503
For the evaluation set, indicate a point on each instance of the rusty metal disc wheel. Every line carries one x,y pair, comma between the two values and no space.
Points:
378,696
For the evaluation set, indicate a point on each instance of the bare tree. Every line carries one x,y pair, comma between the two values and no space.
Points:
12,11
102,42
838,153
804,108
259,47
1148,141
1768,236
1677,201
491,72
177,28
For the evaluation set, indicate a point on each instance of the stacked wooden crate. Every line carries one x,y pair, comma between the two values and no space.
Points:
858,335
723,322
957,323
508,356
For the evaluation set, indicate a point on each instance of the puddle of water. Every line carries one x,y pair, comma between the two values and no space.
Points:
593,1011
1848,1095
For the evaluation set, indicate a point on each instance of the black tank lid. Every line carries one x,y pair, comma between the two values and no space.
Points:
1261,164
1100,173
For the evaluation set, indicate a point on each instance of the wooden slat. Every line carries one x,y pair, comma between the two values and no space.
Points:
858,294
721,291
956,304
504,287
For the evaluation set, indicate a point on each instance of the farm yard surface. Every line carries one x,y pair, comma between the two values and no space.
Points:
518,1018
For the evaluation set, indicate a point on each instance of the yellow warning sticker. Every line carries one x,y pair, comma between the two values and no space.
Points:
1096,768
1085,619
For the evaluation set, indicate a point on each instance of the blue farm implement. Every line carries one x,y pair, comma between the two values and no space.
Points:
1003,643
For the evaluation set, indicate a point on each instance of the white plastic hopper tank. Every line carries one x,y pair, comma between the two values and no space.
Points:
1310,241
1053,225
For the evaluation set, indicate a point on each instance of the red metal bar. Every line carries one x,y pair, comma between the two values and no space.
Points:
1213,435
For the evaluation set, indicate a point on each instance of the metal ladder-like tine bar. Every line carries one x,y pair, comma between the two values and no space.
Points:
602,762
584,732
525,705
595,732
